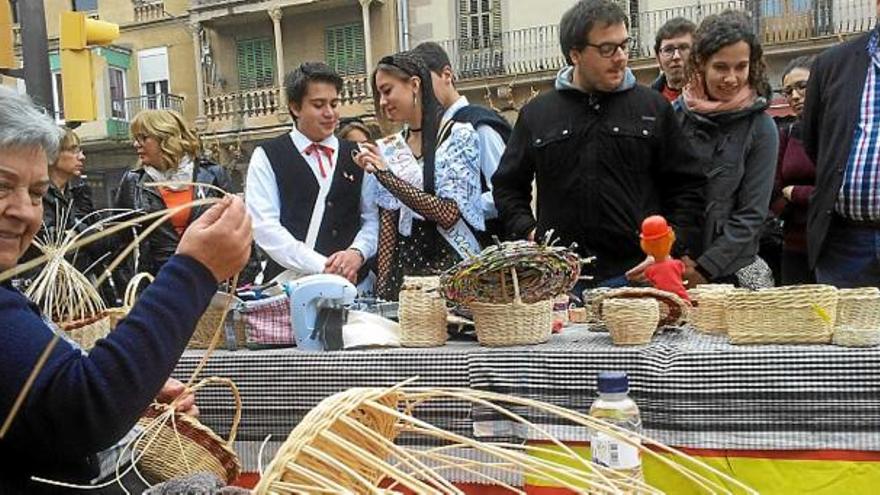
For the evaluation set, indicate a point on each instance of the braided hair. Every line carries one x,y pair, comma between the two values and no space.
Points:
405,65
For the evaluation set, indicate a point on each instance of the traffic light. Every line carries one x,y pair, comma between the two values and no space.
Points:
78,33
7,56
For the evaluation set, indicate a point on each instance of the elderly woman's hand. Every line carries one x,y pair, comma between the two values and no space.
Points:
174,389
368,158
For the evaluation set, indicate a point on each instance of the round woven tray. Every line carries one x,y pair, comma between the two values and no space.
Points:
184,446
422,313
709,303
674,310
631,321
802,314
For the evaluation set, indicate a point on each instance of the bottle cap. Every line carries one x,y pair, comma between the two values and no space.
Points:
613,382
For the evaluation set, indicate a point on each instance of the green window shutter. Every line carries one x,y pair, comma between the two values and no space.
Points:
256,63
344,49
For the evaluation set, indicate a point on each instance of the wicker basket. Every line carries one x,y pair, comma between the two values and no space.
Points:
631,321
802,314
184,446
422,313
709,308
87,331
858,318
516,323
674,311
210,320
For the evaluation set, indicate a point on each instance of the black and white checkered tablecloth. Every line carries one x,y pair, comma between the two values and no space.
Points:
693,390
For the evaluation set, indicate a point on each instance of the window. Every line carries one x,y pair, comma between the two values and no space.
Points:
256,63
479,36
117,93
153,72
344,49
85,5
58,97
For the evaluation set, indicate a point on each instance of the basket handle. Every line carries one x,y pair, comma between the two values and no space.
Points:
517,299
216,380
131,288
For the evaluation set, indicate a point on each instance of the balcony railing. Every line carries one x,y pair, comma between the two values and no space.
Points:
161,101
264,102
250,103
536,49
149,10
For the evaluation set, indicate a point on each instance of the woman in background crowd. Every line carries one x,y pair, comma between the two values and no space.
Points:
795,178
723,113
168,152
355,131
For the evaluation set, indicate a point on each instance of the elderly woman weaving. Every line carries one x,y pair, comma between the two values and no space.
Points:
80,404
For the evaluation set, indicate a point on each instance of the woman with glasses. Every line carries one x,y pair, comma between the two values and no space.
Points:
795,178
430,205
168,154
722,109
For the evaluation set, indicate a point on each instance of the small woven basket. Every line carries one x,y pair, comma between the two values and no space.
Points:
422,313
516,323
631,321
802,314
87,331
709,308
210,320
128,299
674,311
858,318
182,446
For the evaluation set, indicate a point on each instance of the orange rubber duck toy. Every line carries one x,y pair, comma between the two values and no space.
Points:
666,273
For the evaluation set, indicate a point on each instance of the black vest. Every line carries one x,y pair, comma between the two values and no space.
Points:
298,190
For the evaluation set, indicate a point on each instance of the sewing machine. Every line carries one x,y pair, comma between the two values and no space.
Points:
317,310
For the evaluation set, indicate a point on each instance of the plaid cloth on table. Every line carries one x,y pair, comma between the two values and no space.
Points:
694,390
267,322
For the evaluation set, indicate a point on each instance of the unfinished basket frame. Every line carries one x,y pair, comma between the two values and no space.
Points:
422,313
346,445
516,323
631,321
801,314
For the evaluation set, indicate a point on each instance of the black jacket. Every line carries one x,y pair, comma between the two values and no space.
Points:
739,150
603,163
133,194
831,112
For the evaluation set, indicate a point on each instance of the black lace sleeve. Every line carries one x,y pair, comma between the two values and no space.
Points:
443,211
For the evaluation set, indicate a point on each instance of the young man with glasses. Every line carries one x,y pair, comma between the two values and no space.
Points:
672,47
605,152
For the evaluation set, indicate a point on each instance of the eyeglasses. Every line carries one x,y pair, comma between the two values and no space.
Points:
140,138
668,51
607,50
800,87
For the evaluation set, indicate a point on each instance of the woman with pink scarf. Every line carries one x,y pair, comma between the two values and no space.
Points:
722,112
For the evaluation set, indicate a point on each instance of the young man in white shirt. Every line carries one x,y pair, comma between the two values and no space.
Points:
492,129
311,205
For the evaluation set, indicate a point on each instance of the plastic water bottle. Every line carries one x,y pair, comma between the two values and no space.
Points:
614,406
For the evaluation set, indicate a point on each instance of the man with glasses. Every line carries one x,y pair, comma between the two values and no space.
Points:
605,153
672,47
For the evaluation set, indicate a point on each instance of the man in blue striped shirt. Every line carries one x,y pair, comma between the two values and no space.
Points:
842,134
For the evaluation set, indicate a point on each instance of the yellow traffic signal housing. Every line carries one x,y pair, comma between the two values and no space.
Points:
7,56
78,33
